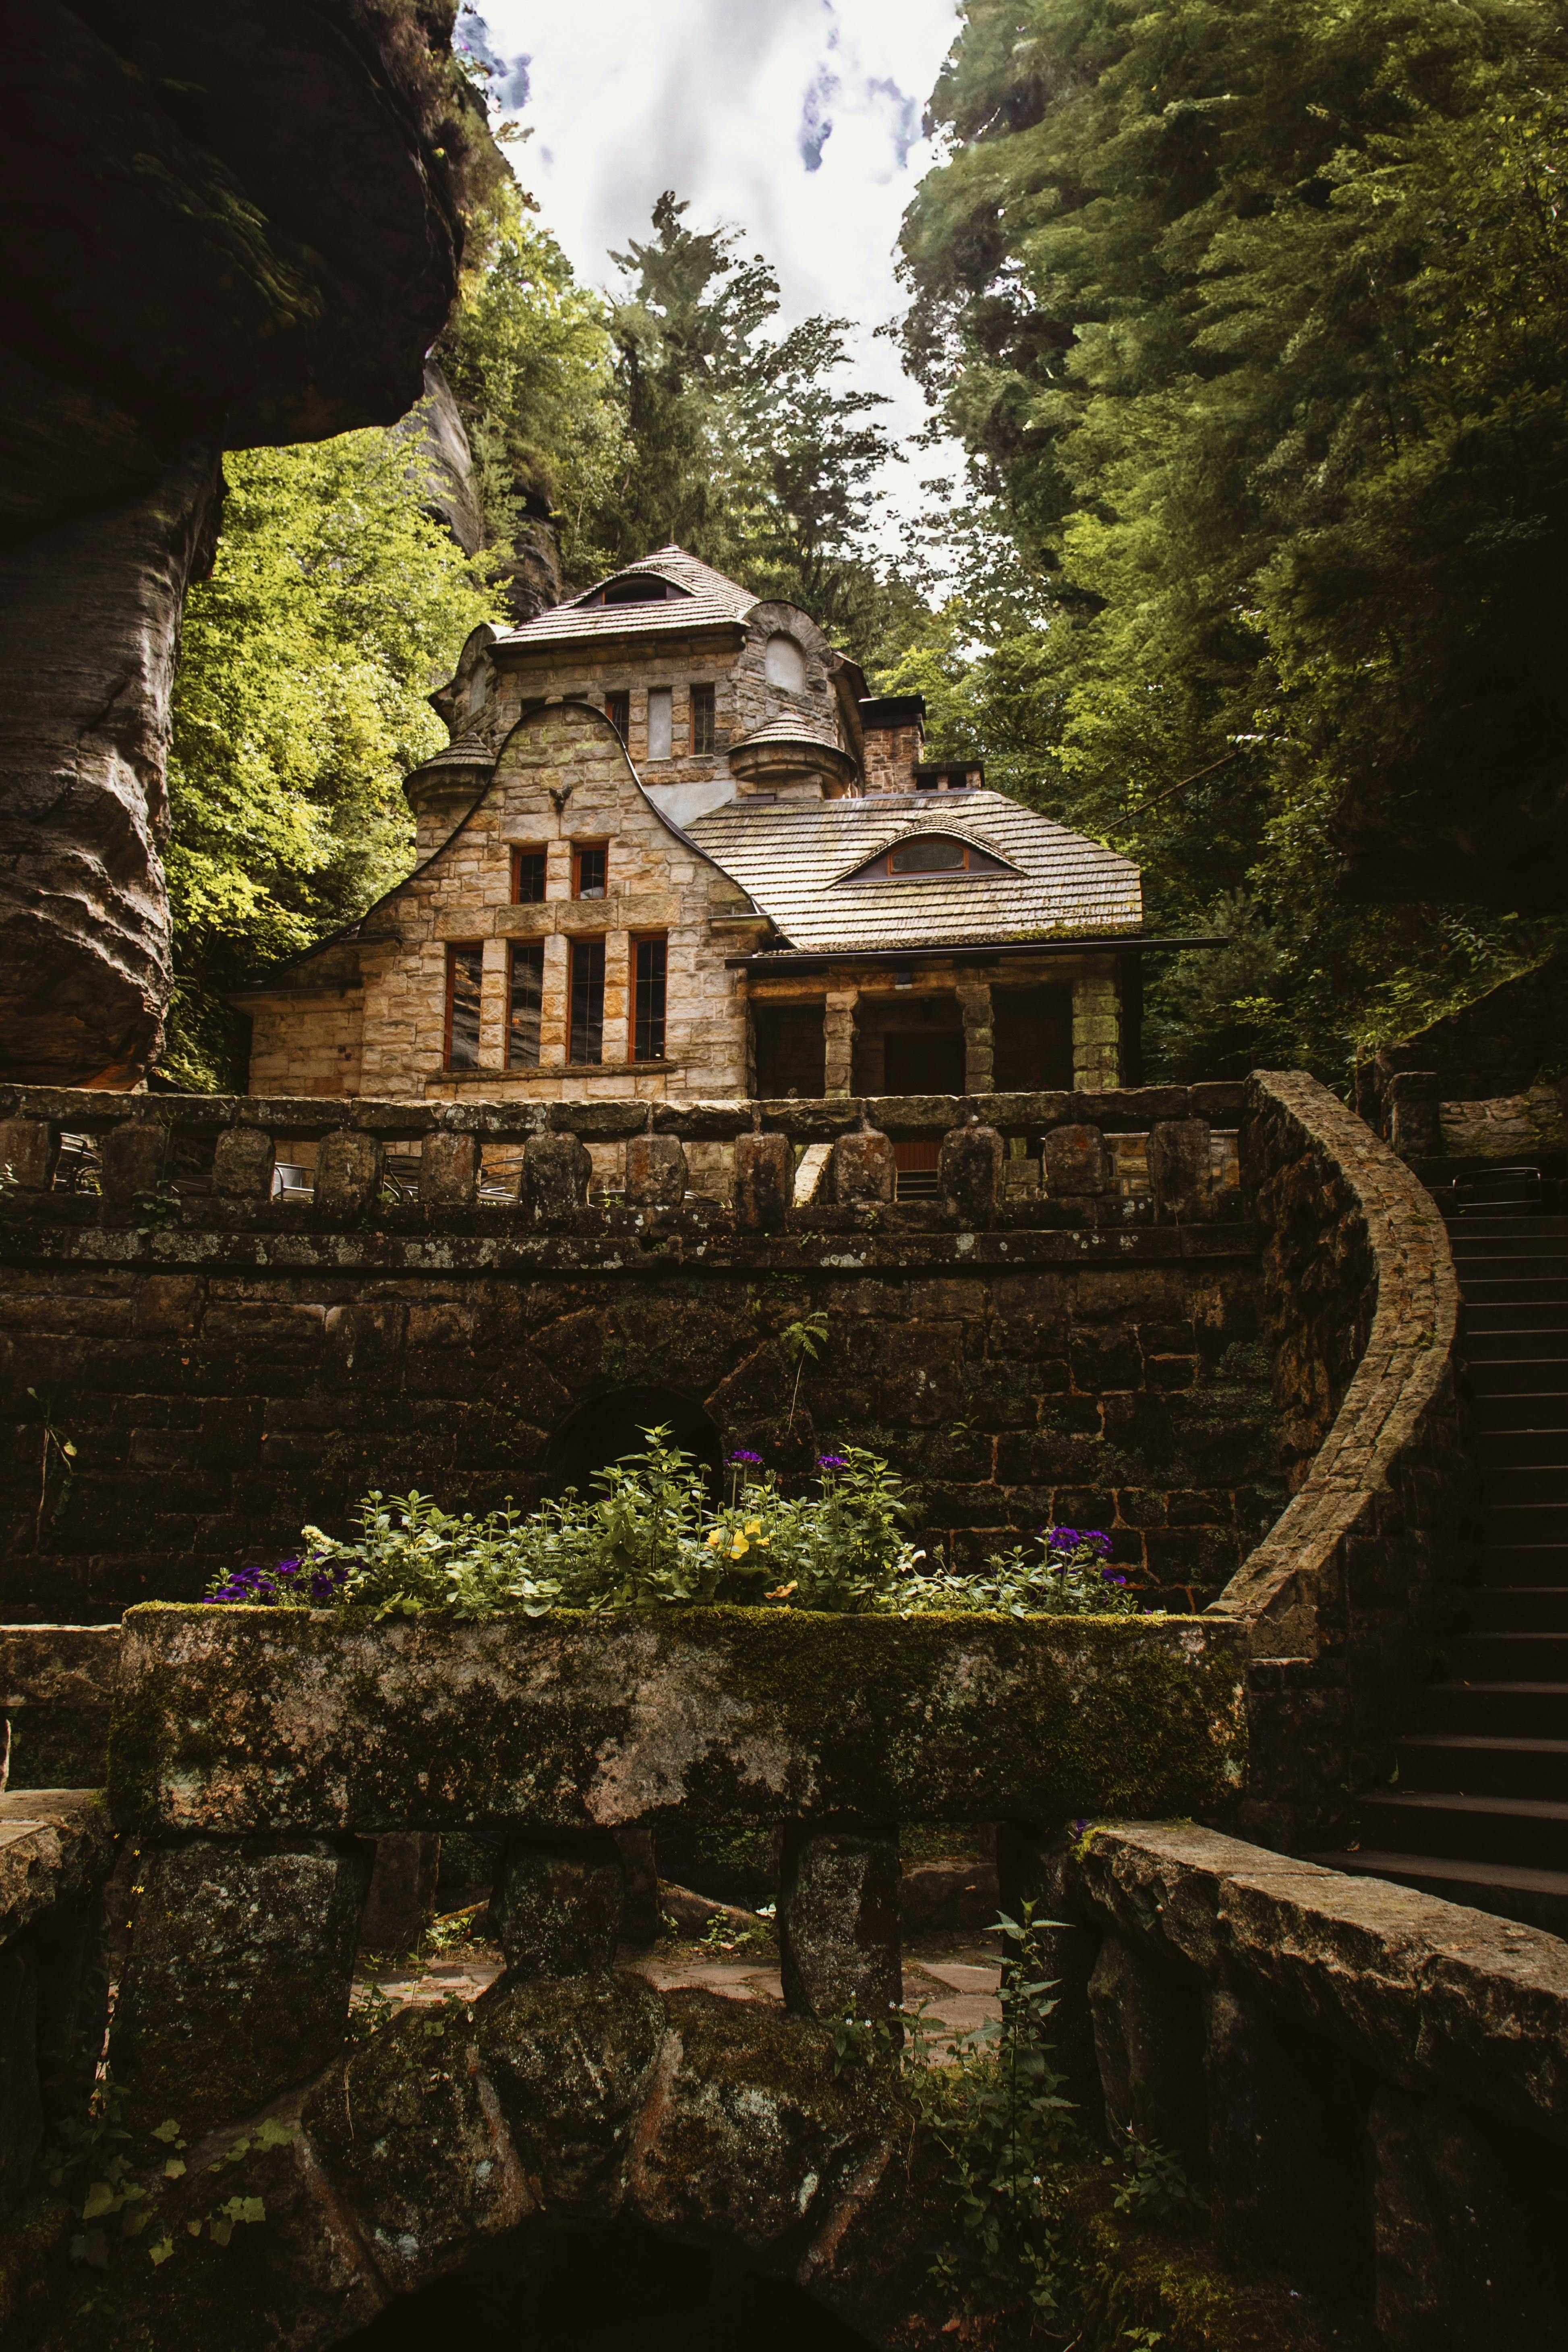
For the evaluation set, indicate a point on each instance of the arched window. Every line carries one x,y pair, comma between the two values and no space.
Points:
785,665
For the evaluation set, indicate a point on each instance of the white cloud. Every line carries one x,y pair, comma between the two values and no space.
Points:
797,119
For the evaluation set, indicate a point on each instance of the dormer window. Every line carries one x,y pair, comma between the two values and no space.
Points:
919,853
635,588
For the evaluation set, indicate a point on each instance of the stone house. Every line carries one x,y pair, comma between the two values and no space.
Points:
675,850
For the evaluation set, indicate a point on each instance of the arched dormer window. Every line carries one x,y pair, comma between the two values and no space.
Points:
785,664
944,854
635,588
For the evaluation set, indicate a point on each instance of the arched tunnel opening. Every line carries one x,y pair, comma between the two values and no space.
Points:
553,2288
608,1427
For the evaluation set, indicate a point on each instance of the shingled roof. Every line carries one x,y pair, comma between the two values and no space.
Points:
707,599
797,859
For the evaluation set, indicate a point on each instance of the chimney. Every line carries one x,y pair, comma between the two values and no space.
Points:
894,725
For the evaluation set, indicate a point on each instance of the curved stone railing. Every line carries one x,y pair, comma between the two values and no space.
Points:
1340,1604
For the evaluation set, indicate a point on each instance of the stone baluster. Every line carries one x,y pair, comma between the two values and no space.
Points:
657,1172
863,1170
29,1148
979,1036
448,1169
1179,1167
764,1181
839,1920
558,1901
131,1160
1078,1164
838,1041
556,1172
236,1983
969,1173
243,1162
348,1173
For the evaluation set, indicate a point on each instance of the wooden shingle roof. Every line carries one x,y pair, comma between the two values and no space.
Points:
794,860
707,599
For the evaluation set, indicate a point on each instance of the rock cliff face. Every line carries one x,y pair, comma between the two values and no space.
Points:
224,226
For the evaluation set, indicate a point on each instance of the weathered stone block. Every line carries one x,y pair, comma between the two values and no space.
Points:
131,1158
572,2062
348,1173
556,1171
29,1148
764,1181
243,1161
862,1168
1179,1166
236,1985
656,1171
838,1922
1285,2158
402,1893
448,1169
969,1171
558,1902
1147,2042
1078,1164
1456,2244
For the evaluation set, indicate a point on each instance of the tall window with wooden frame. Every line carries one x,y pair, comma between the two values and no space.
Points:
527,878
618,711
465,966
590,870
650,965
525,999
702,719
587,1000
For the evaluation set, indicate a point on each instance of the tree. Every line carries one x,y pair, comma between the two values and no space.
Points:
333,607
1249,313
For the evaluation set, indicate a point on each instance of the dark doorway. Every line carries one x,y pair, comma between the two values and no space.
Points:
1032,1036
923,1062
791,1054
607,1427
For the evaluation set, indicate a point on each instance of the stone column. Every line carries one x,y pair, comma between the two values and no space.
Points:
979,1056
131,1158
348,1173
839,1921
838,1041
237,1984
556,1173
617,1043
558,1901
448,1169
1096,1032
862,1168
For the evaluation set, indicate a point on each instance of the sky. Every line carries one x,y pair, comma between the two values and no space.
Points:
797,119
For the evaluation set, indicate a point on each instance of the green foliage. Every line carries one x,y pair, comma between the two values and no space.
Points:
1155,2184
333,605
1249,314
648,1537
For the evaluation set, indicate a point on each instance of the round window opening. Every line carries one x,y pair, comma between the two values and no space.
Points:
607,1428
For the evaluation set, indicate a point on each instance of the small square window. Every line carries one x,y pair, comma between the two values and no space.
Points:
527,876
702,718
659,701
618,711
589,864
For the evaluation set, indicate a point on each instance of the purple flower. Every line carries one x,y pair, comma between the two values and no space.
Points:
832,1461
743,1456
1105,1572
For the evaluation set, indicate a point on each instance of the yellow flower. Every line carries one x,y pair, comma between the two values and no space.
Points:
716,1538
739,1547
754,1527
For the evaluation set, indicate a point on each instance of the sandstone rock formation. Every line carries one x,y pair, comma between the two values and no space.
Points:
227,228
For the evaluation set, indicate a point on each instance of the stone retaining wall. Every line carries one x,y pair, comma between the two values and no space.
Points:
1343,1603
1371,2082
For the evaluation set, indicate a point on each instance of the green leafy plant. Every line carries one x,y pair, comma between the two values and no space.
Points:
802,1340
58,1458
1154,2185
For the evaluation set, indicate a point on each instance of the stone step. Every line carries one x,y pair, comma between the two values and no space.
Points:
1469,1764
1509,1710
1519,1608
1501,1657
1521,1446
1502,1236
1524,1483
1530,1524
1515,1288
1544,1327
1477,1274
1525,1833
1523,1563
1530,1376
1515,1410
1539,1898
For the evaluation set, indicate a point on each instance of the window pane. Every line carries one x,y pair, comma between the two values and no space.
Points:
463,968
526,996
702,718
527,876
618,711
588,874
659,709
587,1000
936,856
648,1032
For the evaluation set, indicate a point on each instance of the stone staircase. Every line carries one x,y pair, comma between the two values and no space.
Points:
1478,1810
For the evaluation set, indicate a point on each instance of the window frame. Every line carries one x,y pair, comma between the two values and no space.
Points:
667,695
592,850
533,949
704,705
618,711
530,849
454,949
637,942
580,945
